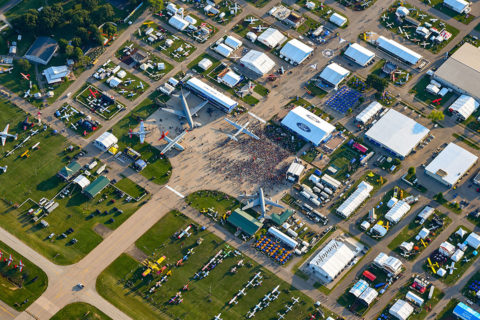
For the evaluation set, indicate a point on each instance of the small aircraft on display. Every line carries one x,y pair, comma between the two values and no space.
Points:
172,143
141,133
241,129
4,135
218,317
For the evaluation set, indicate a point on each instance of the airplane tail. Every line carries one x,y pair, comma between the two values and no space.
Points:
232,137
16,136
163,136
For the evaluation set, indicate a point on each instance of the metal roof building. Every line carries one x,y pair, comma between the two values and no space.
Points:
56,74
215,97
359,54
368,296
230,79
459,6
461,71
464,312
331,260
69,170
223,50
279,219
451,164
105,141
337,19
282,237
396,213
245,222
401,310
358,288
464,107
258,62
308,125
397,50
412,297
233,42
42,50
369,112
362,192
96,187
295,51
271,38
334,74
178,22
397,133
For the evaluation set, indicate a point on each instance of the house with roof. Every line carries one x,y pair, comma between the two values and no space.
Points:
97,186
69,171
244,222
56,74
42,50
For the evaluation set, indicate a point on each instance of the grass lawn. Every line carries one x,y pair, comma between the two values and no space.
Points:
18,286
420,313
438,4
447,312
84,94
244,26
313,90
470,294
401,78
217,200
123,285
308,25
74,117
409,233
80,311
130,187
449,205
35,178
341,160
426,97
159,168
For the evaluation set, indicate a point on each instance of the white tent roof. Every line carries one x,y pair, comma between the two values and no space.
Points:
223,50
258,62
113,82
451,164
106,140
82,181
397,132
457,255
178,23
359,54
296,51
205,63
231,79
397,211
446,248
55,74
401,310
424,233
414,298
308,125
355,199
426,213
380,230
457,5
368,295
233,42
332,259
393,264
359,287
407,246
464,106
271,37
380,259
461,232
337,19
334,74
441,272
372,109
398,50
473,240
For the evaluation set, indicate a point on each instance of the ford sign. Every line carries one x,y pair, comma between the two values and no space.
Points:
303,127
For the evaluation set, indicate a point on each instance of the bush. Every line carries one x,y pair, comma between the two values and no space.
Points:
376,82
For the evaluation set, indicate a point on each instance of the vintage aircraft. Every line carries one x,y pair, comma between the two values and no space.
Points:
172,143
186,112
9,260
4,135
20,266
259,200
141,133
241,129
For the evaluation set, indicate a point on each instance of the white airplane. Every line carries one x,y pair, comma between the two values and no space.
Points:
172,143
242,292
289,308
4,135
141,85
187,112
131,94
384,17
261,201
234,8
295,300
218,317
259,28
4,169
241,129
466,260
27,94
280,316
389,25
141,133
250,20
433,20
250,314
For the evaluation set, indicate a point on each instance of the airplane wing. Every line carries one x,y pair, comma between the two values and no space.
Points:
273,203
5,131
236,125
4,140
175,112
252,204
198,107
251,134
142,137
142,127
173,143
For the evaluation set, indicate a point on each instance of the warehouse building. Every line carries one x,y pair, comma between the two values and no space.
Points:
223,50
244,222
396,213
96,187
463,107
257,62
308,125
334,74
178,22
461,72
337,19
369,112
233,42
56,74
359,54
388,263
459,6
331,260
464,312
348,207
397,133
42,50
213,96
105,141
69,171
399,51
271,38
295,52
451,164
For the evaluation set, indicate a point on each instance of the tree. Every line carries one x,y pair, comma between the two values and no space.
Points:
110,29
376,82
69,50
439,197
411,171
436,115
28,21
62,44
77,54
24,65
95,35
82,33
156,5
76,42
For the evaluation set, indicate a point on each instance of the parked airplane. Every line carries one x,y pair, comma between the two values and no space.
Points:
172,143
187,112
218,317
20,266
4,169
9,260
261,201
4,135
241,129
250,20
141,133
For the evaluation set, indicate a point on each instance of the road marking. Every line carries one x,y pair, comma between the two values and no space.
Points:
6,311
257,117
175,191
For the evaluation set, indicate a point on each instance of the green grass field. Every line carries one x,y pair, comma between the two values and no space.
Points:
130,187
122,283
159,168
447,312
80,311
17,286
438,4
127,89
35,178
424,96
205,199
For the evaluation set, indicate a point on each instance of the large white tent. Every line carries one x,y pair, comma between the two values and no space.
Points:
359,287
308,125
257,62
463,107
368,296
362,192
397,211
334,74
223,50
371,110
331,260
473,240
460,6
233,42
359,54
178,22
338,20
401,310
271,38
295,51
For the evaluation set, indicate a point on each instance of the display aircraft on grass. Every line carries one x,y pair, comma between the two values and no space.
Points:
259,200
186,111
4,135
172,143
241,129
141,133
